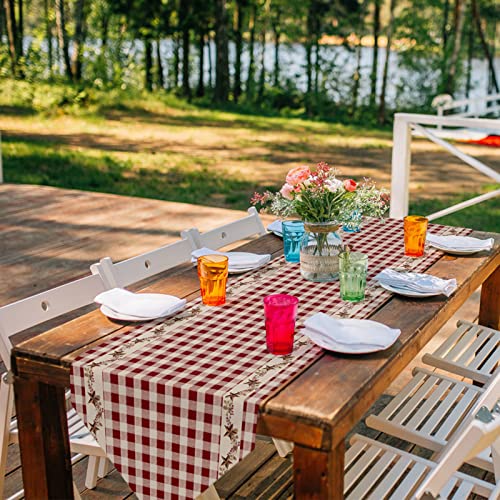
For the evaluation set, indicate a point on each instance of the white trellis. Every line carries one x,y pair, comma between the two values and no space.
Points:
404,123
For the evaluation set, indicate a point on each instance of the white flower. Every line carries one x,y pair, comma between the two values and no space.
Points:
333,185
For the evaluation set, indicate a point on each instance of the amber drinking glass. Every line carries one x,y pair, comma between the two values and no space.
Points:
415,227
212,271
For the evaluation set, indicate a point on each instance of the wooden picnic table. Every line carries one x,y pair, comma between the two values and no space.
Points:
316,410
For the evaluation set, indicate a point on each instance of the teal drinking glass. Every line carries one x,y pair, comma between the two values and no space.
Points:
353,267
293,230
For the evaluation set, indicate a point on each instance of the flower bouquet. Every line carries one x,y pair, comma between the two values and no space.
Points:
324,203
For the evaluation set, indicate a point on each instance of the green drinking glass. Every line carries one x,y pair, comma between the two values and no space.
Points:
353,267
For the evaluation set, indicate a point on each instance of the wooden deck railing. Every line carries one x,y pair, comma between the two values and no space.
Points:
404,123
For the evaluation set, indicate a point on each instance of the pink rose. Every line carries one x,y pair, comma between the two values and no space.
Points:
298,175
286,191
350,185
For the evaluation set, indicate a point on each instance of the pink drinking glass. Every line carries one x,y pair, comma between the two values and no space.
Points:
280,311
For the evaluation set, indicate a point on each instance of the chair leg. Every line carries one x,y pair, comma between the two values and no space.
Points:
6,403
283,447
92,469
104,467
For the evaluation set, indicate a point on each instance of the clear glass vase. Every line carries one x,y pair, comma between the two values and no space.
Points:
319,251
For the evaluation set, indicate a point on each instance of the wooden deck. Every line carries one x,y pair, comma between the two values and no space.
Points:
51,236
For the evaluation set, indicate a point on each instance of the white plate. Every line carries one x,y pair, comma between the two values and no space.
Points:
330,344
121,317
452,251
246,269
408,293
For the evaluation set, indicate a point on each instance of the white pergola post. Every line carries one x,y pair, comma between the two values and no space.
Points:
401,158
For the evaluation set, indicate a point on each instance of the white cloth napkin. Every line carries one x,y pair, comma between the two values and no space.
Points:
417,282
349,334
460,242
140,305
276,227
236,260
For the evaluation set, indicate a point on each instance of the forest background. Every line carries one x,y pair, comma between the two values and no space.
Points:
284,81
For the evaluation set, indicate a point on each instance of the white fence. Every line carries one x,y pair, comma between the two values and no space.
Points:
473,107
404,123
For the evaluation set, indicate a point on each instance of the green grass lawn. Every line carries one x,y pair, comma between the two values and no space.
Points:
165,148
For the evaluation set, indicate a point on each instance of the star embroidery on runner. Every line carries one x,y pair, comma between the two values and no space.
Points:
227,461
253,383
231,432
94,398
94,427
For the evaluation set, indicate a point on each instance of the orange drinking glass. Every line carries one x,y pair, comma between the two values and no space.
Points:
212,271
415,227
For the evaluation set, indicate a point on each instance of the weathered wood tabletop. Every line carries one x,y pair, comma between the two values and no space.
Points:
316,410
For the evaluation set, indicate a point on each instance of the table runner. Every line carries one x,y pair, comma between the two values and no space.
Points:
174,402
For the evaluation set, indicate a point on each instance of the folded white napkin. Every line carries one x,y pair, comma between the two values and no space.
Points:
236,260
417,282
140,305
460,242
346,335
276,227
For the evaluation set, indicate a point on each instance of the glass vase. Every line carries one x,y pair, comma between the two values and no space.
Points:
319,251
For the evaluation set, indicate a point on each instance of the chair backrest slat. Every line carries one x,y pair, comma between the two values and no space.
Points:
143,266
44,306
229,233
472,437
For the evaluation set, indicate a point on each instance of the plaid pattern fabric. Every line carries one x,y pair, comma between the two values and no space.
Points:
175,402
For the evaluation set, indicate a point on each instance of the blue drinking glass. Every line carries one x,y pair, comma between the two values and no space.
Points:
293,230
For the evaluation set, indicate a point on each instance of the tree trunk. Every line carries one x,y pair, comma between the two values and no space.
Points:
262,75
470,53
200,91
317,70
148,64
184,13
2,20
176,59
357,72
376,33
160,80
63,37
78,40
48,36
311,35
277,39
452,69
251,53
238,42
20,28
484,44
221,93
12,34
210,63
390,29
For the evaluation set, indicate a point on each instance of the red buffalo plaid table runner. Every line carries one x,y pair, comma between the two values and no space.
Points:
174,402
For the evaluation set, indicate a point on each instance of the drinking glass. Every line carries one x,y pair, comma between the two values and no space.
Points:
352,273
212,271
415,227
280,311
293,230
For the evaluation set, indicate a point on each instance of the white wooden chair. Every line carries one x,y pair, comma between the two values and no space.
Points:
20,316
374,470
143,266
227,234
472,351
428,410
